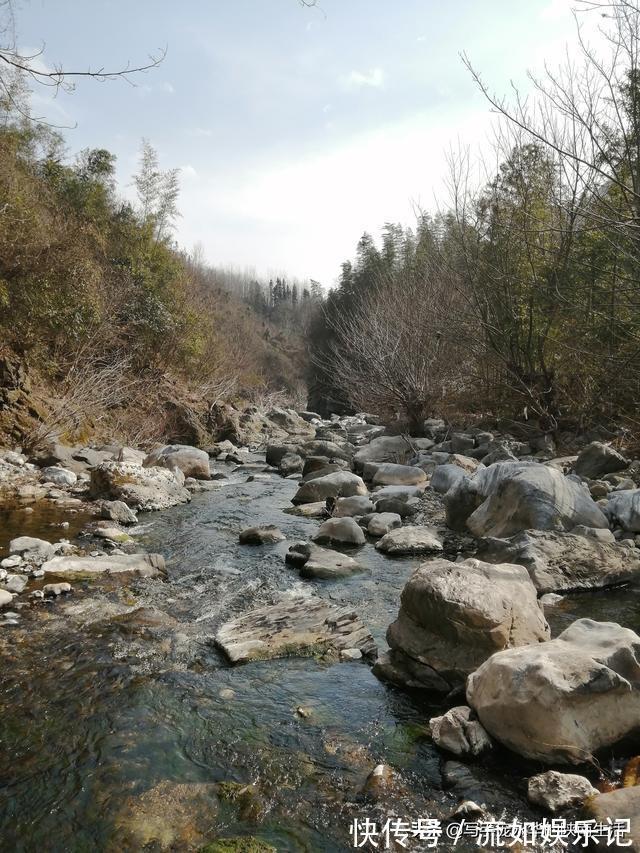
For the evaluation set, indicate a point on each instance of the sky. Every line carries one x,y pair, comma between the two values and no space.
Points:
296,129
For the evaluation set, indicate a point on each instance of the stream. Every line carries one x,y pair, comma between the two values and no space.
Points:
119,713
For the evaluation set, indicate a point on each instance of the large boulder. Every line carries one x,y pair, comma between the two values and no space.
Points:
290,421
563,562
597,459
388,474
453,616
269,534
621,805
342,532
561,701
328,449
410,540
276,453
509,497
340,484
143,489
192,461
623,509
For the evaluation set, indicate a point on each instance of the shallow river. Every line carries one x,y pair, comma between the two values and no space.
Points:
109,725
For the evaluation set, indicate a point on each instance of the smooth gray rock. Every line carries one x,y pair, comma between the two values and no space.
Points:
349,507
192,461
118,511
623,509
388,474
564,562
382,523
340,484
510,497
444,477
315,562
397,506
266,535
453,616
563,700
340,531
597,459
410,540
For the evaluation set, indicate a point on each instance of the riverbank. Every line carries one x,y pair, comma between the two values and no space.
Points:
125,725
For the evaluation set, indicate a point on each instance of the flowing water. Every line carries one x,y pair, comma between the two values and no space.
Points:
119,725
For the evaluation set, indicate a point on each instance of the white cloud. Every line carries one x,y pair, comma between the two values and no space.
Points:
374,78
307,216
188,171
168,88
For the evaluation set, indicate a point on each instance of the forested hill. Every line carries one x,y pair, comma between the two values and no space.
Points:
106,326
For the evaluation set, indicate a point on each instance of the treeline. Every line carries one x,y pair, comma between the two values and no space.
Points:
111,317
521,298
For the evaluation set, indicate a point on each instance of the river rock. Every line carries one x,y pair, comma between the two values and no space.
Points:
313,464
291,463
315,562
623,509
349,507
561,701
461,442
623,804
458,731
559,791
317,473
397,506
144,489
290,421
312,510
58,476
5,597
445,476
192,461
267,535
509,497
597,459
14,583
296,624
146,565
453,616
329,449
53,590
388,474
340,531
340,484
385,448
32,550
276,453
382,523
118,511
410,540
564,562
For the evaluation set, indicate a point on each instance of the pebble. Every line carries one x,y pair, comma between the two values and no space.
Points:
37,573
11,562
10,614
37,593
227,693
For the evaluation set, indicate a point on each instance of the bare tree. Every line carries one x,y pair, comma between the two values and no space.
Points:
16,65
400,350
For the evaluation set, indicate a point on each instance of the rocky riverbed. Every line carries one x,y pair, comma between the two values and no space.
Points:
249,648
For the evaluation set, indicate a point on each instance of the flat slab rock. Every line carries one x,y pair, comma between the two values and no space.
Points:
148,565
297,624
410,540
